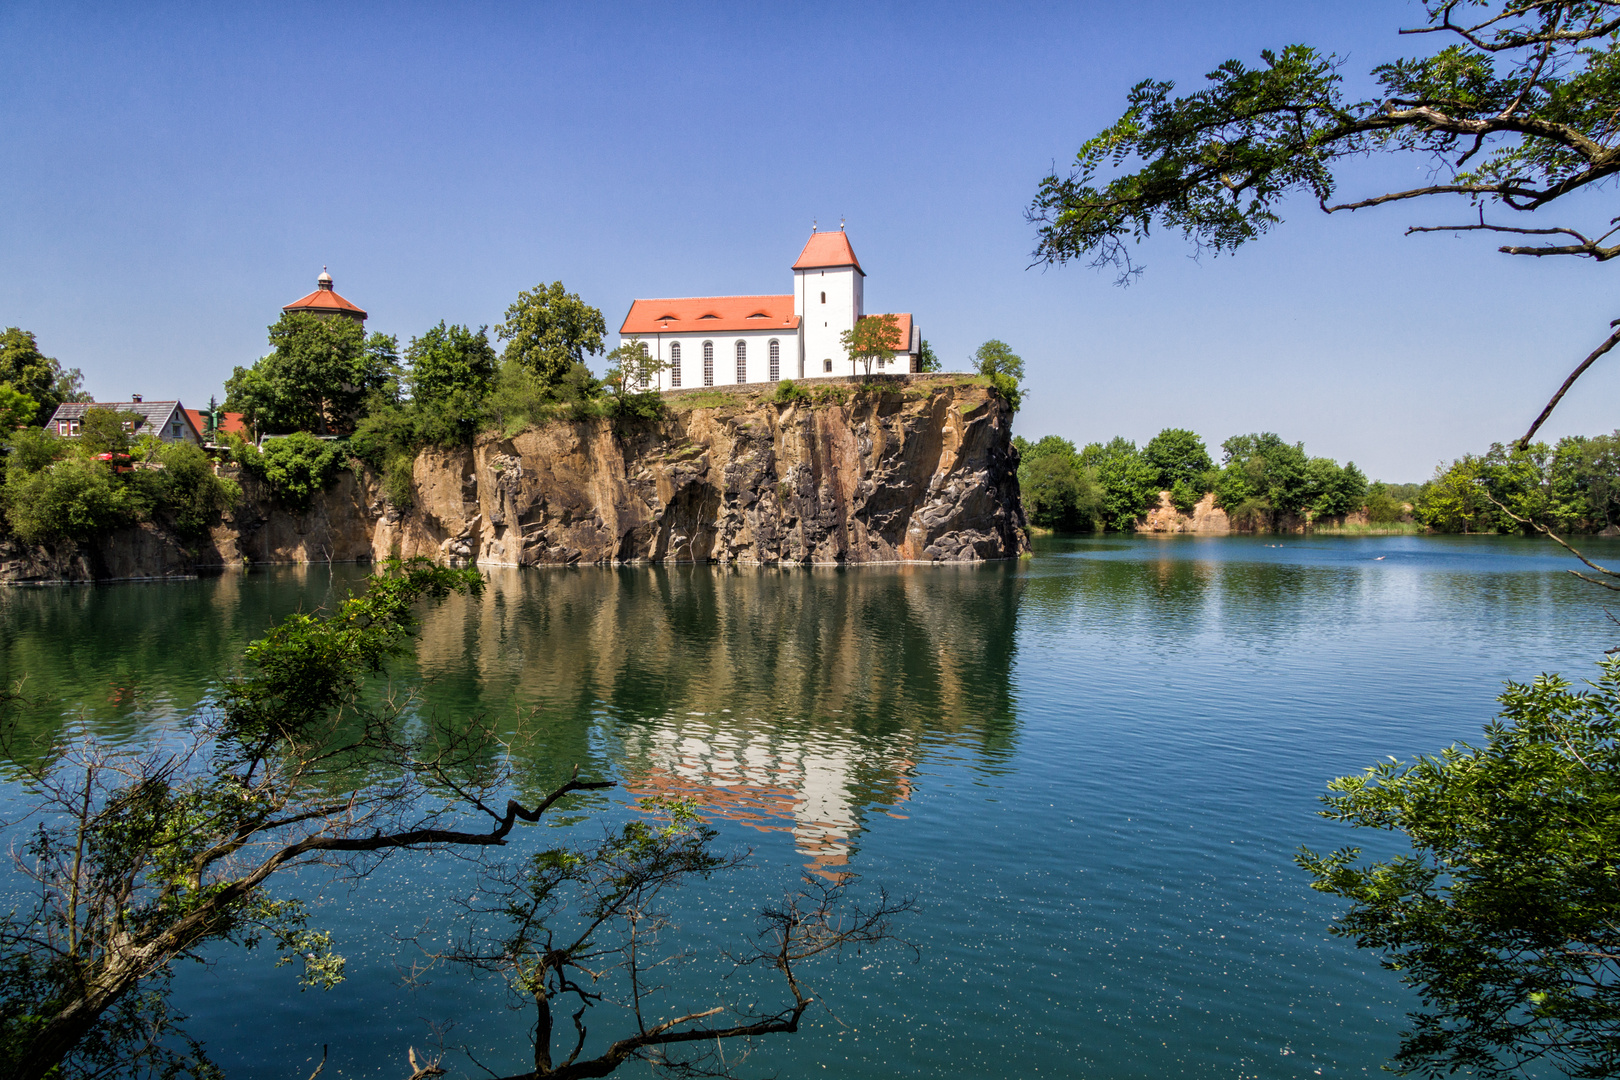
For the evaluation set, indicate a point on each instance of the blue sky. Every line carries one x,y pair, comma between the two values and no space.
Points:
177,173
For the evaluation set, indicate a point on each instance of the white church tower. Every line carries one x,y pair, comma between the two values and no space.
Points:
828,296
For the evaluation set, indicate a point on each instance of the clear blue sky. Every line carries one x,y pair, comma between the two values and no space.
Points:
175,174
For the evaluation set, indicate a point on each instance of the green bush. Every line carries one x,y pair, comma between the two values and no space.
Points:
189,491
1057,490
297,467
396,479
1005,387
1184,496
788,392
75,498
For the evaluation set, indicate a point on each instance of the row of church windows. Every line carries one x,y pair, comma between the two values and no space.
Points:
708,362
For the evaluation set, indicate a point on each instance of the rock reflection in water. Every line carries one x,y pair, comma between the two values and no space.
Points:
796,700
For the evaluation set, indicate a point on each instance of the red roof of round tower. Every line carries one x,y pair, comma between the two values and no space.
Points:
325,301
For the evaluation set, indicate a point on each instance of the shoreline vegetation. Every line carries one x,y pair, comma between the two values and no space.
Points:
1264,484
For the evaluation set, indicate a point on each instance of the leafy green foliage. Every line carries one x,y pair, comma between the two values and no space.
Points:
1058,492
1573,486
451,365
788,392
30,372
297,467
1129,481
107,431
632,382
1535,85
17,409
1502,916
191,495
316,379
1180,457
997,358
1263,479
74,498
873,337
927,360
549,331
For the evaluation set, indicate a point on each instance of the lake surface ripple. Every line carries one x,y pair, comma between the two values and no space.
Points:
1092,768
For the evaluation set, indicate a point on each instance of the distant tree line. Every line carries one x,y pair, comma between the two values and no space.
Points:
1570,487
1261,480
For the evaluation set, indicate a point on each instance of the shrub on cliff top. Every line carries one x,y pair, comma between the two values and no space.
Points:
296,466
75,498
788,392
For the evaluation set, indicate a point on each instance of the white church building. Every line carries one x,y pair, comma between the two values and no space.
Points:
726,340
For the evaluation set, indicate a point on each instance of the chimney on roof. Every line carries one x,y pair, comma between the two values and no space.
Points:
324,281
135,398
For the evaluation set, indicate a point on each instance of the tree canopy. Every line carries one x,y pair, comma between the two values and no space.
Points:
1515,112
450,363
997,358
549,329
29,371
874,337
1502,914
316,378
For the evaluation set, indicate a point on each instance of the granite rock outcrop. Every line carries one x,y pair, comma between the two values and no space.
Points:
918,469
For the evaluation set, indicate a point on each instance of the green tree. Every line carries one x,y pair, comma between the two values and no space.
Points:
191,495
1502,914
1383,508
1334,490
1514,113
450,363
297,467
1262,478
549,329
1129,482
31,372
926,359
107,431
1058,491
17,409
997,358
75,498
1180,457
874,337
317,377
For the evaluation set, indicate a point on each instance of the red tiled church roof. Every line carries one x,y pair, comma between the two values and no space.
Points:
826,250
710,314
323,299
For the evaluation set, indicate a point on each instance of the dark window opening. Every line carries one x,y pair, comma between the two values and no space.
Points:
826,365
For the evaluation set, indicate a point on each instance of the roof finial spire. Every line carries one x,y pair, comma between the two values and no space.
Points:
840,222
325,280
813,223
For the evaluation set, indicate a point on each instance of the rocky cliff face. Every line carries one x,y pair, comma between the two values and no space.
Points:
916,472
922,470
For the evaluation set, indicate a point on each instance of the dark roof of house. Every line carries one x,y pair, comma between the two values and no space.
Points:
154,414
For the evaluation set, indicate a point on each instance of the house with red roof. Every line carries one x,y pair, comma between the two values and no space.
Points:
727,340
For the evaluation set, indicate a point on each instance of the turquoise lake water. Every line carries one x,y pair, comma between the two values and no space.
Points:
1091,768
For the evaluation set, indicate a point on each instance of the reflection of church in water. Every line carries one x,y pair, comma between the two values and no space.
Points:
819,792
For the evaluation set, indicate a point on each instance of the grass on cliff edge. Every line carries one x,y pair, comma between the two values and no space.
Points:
815,392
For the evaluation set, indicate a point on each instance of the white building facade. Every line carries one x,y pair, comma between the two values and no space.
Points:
729,340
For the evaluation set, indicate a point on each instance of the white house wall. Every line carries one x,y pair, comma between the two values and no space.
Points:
823,322
725,355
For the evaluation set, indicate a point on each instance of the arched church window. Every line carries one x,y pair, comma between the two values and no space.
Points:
674,363
776,360
708,363
823,298
826,365
742,361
